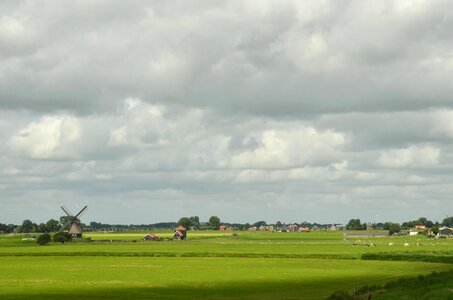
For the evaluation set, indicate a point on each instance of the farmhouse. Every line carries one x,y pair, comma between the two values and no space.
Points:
314,227
293,227
445,232
151,237
304,229
180,233
222,227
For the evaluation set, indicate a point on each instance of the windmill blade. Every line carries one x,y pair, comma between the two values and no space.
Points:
66,210
82,211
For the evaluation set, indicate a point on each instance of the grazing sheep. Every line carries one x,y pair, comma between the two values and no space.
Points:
406,244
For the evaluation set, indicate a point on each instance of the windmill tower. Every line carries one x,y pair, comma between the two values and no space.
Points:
75,229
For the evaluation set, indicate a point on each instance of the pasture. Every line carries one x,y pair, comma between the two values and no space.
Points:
210,265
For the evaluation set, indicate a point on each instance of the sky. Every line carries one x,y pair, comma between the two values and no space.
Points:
292,111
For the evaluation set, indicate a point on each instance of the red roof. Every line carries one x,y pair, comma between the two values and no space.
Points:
180,228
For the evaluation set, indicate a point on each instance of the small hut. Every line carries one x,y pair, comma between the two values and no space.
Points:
151,237
180,233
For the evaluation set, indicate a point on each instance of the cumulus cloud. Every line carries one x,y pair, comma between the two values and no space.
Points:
290,148
291,110
414,156
51,137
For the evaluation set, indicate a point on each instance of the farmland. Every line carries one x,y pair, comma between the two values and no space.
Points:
212,265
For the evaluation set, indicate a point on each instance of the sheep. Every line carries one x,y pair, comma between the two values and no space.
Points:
406,244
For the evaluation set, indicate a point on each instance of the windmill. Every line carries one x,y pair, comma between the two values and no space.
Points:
74,222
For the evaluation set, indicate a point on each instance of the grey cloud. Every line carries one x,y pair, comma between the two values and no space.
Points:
265,58
296,111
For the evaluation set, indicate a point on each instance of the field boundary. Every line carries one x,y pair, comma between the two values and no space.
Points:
183,254
434,257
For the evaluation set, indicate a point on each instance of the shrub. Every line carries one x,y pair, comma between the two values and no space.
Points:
62,237
44,239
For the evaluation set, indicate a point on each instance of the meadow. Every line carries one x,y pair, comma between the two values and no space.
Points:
214,265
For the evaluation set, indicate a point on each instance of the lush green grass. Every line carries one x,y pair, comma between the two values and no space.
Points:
190,278
437,285
209,265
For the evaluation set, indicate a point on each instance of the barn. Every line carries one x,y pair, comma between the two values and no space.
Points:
180,233
151,237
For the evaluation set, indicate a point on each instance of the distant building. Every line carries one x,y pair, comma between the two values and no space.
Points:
180,233
293,227
304,229
151,237
222,227
445,232
315,227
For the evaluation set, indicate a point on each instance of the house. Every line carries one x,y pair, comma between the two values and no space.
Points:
222,227
445,232
420,227
284,228
304,229
293,227
180,233
151,237
315,227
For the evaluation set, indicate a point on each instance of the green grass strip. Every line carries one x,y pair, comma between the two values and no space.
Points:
179,254
434,257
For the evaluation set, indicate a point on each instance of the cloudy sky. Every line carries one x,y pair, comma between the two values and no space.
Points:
249,110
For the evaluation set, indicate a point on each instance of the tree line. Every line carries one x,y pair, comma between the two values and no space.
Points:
213,223
393,227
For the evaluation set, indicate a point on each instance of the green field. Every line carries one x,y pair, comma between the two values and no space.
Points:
212,265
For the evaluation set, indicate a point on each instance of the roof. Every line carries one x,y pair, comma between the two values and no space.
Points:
180,228
152,235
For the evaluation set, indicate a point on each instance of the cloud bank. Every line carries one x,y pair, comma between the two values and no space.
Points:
146,111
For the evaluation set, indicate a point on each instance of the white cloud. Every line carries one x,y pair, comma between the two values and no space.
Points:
413,156
289,148
52,137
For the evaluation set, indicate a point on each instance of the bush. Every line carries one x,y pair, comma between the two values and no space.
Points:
44,239
62,237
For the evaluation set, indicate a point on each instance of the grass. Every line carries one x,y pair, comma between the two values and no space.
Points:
211,265
165,277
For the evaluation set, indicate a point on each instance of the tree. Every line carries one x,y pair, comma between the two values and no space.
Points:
27,226
53,225
61,237
195,221
447,222
184,222
392,227
44,239
278,224
354,224
65,221
214,222
42,228
260,223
